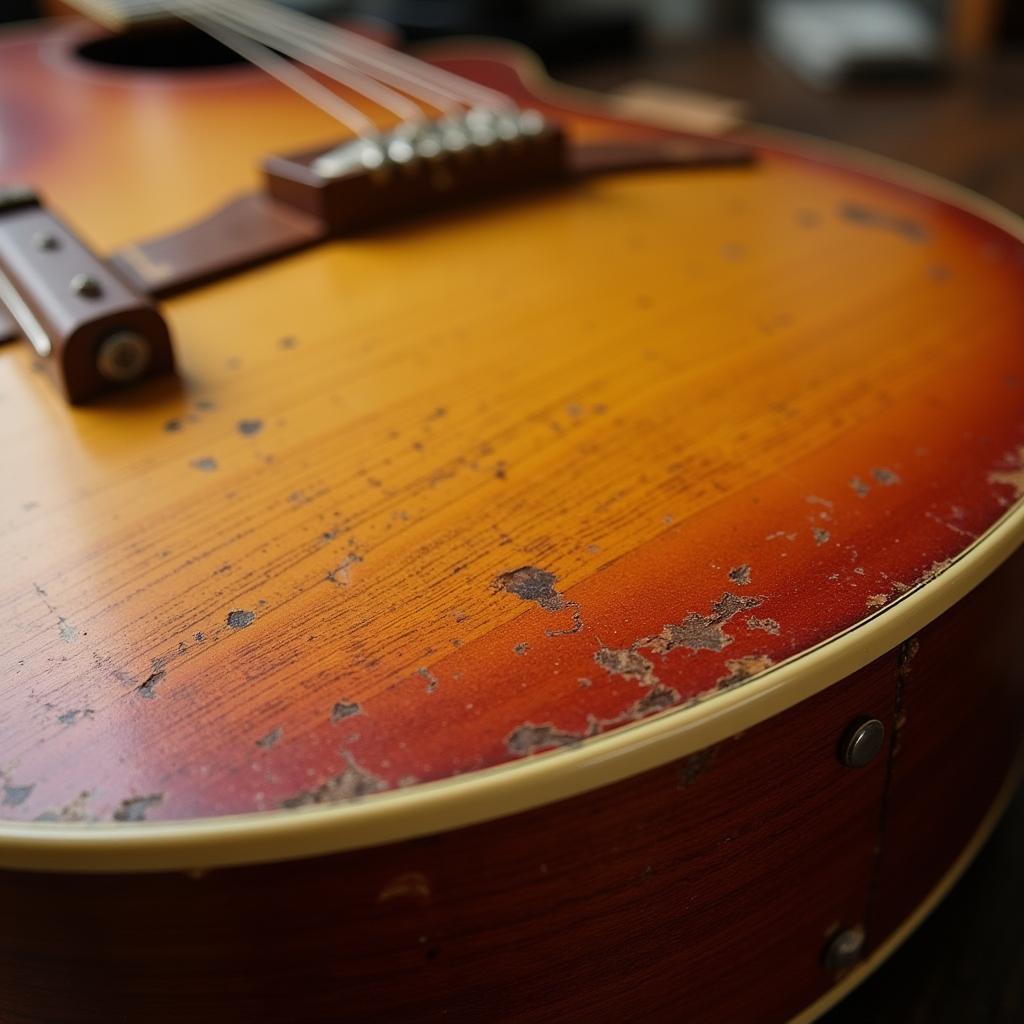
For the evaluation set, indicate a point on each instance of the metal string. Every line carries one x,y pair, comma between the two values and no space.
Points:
318,57
278,67
386,62
367,62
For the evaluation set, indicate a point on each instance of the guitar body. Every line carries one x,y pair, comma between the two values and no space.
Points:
476,626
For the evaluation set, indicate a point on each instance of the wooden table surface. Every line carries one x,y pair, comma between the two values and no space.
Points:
965,965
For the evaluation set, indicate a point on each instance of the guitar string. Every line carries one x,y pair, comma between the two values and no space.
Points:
382,58
417,78
348,115
319,59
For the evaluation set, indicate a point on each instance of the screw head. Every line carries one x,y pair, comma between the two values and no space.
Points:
844,949
86,285
46,241
122,356
863,743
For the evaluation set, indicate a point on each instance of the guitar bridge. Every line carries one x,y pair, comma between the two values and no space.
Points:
418,167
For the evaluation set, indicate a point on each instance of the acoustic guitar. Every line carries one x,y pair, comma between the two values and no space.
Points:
470,556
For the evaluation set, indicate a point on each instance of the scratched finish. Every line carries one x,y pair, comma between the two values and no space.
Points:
444,496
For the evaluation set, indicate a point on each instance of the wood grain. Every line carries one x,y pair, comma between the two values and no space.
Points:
718,415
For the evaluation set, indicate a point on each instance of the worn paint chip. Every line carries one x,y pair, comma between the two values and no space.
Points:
424,673
529,583
349,784
740,575
742,669
271,739
74,810
135,808
627,663
658,698
239,618
72,716
147,688
885,476
701,632
343,710
15,795
866,216
529,738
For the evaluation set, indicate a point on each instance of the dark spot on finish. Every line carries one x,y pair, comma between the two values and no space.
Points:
521,648
342,710
75,810
134,809
271,739
70,717
626,663
531,584
172,426
240,619
742,669
353,782
15,795
658,698
287,343
148,687
865,216
207,464
740,575
528,738
701,632
249,427
341,574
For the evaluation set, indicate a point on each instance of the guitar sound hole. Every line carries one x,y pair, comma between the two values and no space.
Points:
159,49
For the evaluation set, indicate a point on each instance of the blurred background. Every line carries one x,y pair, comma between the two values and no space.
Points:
938,84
